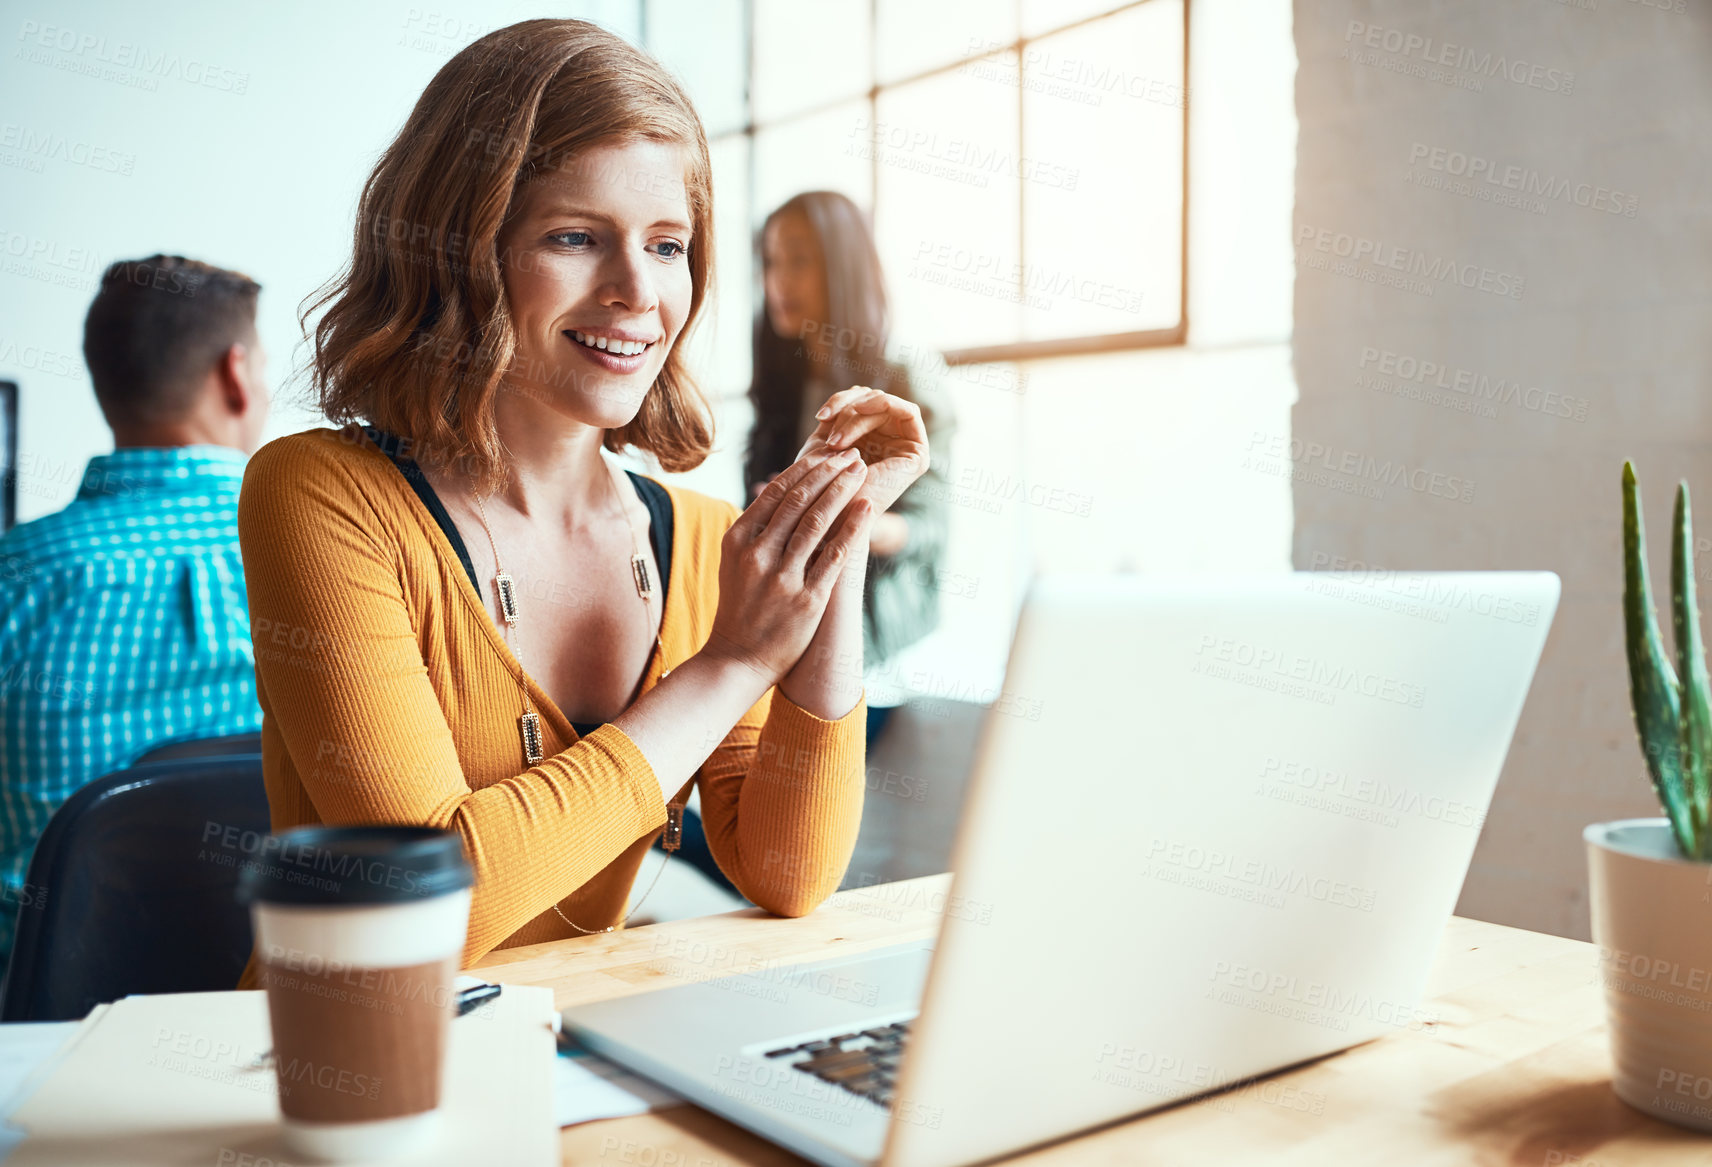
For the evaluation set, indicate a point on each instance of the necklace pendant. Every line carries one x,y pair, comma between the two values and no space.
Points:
506,590
529,727
674,835
639,569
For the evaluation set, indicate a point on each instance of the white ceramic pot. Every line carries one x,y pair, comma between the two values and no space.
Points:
1652,921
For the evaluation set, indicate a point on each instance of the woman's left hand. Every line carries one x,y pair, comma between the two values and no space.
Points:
886,430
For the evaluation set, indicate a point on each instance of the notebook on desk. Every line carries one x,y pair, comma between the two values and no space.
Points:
168,1079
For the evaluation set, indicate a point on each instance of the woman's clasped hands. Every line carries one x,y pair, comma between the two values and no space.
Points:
781,559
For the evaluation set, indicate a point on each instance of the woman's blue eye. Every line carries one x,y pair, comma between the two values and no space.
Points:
670,249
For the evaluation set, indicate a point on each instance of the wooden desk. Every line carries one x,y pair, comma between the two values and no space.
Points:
1511,1069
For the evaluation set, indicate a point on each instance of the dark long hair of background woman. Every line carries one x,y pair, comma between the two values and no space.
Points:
858,330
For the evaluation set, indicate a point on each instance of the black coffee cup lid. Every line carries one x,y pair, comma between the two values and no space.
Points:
354,865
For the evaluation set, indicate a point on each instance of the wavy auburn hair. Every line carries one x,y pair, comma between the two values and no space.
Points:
417,336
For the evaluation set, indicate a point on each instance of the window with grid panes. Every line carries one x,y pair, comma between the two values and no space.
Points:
1024,160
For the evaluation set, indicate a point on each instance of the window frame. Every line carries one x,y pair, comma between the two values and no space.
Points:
1016,350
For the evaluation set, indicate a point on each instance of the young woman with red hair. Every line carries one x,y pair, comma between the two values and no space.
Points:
466,617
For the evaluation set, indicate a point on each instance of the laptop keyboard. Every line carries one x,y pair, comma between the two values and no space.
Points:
865,1062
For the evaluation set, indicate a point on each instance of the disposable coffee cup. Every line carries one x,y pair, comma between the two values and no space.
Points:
358,933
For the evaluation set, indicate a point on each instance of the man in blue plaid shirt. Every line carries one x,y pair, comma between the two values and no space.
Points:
124,621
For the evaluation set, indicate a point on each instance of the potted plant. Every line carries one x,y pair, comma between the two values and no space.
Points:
1650,880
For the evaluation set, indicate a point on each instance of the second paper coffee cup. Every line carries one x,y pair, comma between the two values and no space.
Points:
358,934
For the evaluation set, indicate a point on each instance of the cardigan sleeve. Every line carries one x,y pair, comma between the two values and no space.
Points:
781,800
322,568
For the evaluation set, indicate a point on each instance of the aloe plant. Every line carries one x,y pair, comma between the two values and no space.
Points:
1673,718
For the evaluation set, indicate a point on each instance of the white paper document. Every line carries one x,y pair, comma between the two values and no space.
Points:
587,1086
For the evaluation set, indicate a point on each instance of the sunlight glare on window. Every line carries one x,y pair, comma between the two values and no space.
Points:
1103,144
947,207
808,55
823,151
913,37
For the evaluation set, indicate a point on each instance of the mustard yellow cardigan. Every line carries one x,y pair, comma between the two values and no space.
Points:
388,695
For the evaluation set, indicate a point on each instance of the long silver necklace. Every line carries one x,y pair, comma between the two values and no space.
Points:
529,723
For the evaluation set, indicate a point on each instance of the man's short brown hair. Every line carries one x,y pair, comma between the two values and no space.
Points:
155,329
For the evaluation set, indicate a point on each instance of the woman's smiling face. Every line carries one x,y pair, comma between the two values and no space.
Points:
597,277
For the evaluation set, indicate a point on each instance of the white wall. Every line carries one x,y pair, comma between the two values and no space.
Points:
237,136
1605,104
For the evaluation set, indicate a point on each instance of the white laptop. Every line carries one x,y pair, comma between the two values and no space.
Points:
1215,827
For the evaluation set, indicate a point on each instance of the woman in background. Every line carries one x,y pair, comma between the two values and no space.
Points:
825,326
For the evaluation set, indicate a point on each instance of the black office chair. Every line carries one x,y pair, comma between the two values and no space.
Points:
204,747
132,888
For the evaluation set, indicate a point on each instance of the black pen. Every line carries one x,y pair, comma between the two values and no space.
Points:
475,997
